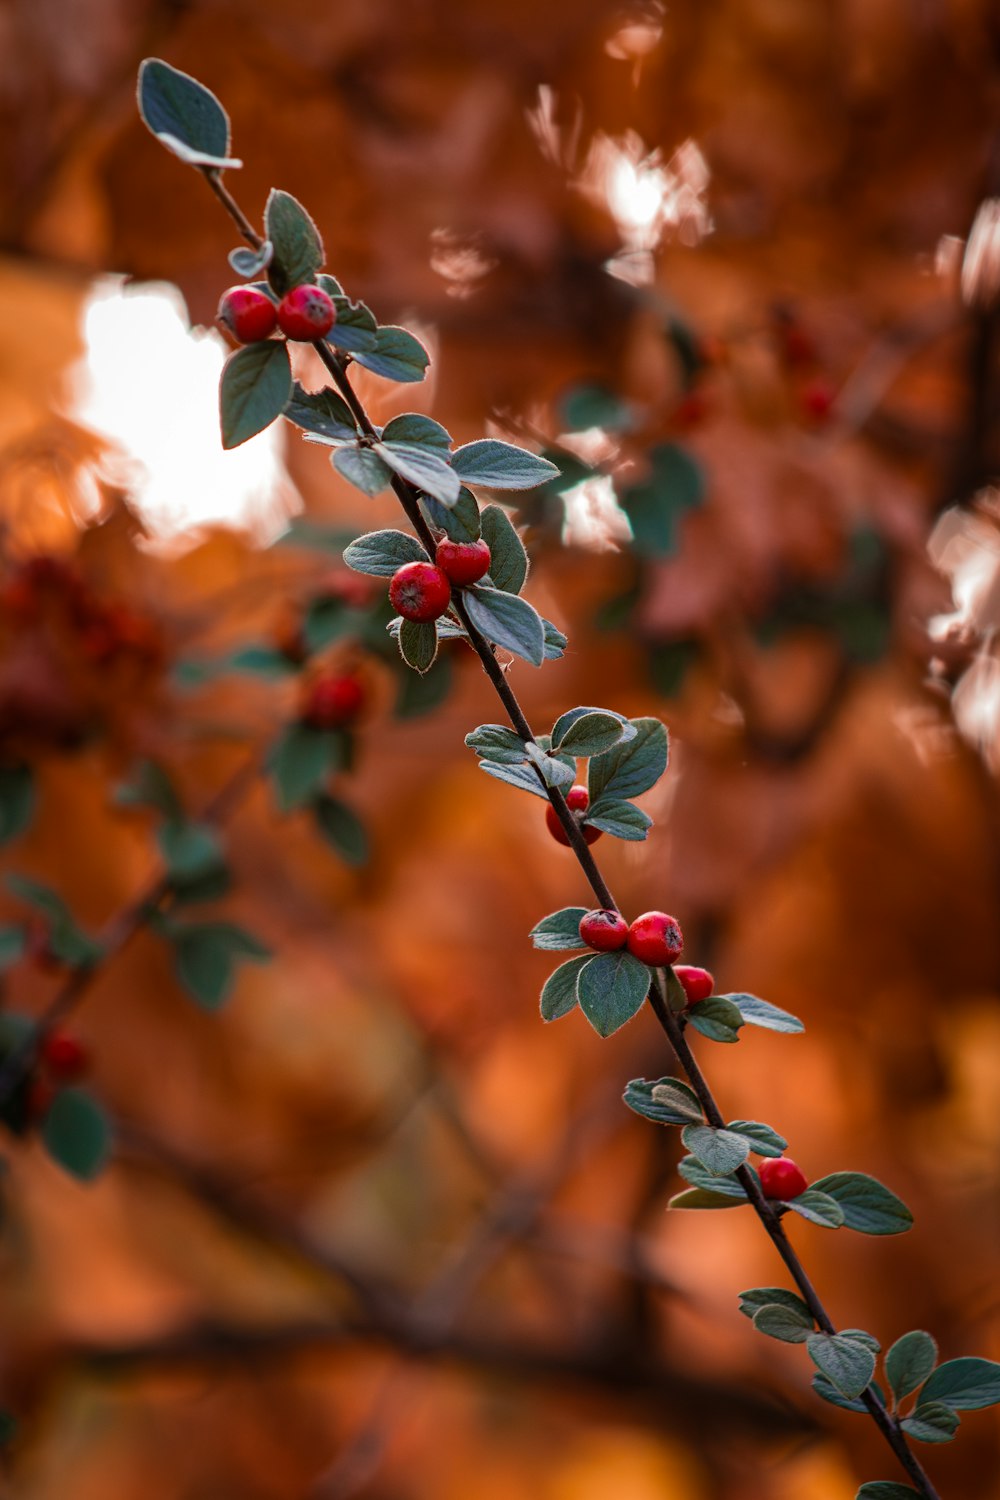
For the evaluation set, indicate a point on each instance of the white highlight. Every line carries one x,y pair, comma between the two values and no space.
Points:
148,383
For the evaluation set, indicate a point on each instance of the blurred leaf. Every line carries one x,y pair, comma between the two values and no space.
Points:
206,954
77,1134
17,801
588,406
301,759
342,829
420,693
655,504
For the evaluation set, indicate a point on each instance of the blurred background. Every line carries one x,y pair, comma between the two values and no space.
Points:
371,1228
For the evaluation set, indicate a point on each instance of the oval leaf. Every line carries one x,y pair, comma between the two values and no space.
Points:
256,387
519,776
931,1422
704,1198
17,801
868,1207
508,621
966,1384
716,1018
612,988
623,820
632,767
818,1208
883,1489
501,466
771,1296
323,413
909,1362
757,1012
422,467
460,522
382,553
342,829
362,468
786,1324
717,1150
508,559
396,355
559,930
668,1101
418,643
77,1134
298,248
846,1363
559,994
415,430
175,105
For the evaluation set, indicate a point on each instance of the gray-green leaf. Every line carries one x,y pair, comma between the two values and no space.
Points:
931,1422
966,1384
561,929
501,466
508,559
397,355
909,1362
716,1018
559,993
418,643
719,1151
623,820
818,1208
868,1207
508,621
362,468
422,467
787,1324
77,1134
323,413
631,767
342,829
181,112
668,1101
757,1012
612,988
382,553
848,1364
298,248
255,389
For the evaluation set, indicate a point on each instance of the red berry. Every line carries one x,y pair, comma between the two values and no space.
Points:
692,410
655,938
781,1178
419,591
65,1058
333,702
816,401
39,1100
578,800
306,313
604,930
697,984
248,314
354,590
464,562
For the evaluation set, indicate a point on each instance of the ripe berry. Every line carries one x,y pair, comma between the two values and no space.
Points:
655,938
248,314
816,401
697,984
464,562
333,702
781,1178
65,1058
578,800
306,313
604,930
419,591
38,1100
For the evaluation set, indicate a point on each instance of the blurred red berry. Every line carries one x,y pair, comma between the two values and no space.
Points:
333,702
65,1058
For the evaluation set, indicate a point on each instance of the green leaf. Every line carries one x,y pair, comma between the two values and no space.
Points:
262,661
322,412
590,732
704,1198
184,116
17,801
931,1422
667,1101
519,776
770,1296
786,1324
756,1012
418,644
628,769
298,249
418,694
508,621
77,1134
206,954
698,1176
555,641
501,466
718,1151
150,786
847,1363
883,1489
12,945
587,406
716,1018
827,1391
561,929
966,1384
909,1362
623,820
508,559
414,430
559,992
250,263
498,743
818,1208
761,1138
362,468
381,553
255,389
422,467
461,521
612,988
190,850
67,941
355,330
342,828
301,760
868,1339
397,355
554,768
655,505
868,1207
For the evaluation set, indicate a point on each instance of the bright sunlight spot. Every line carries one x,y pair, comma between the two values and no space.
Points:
149,385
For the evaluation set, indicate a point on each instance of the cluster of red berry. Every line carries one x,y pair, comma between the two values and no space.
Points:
654,938
421,591
304,314
62,1060
332,700
47,585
